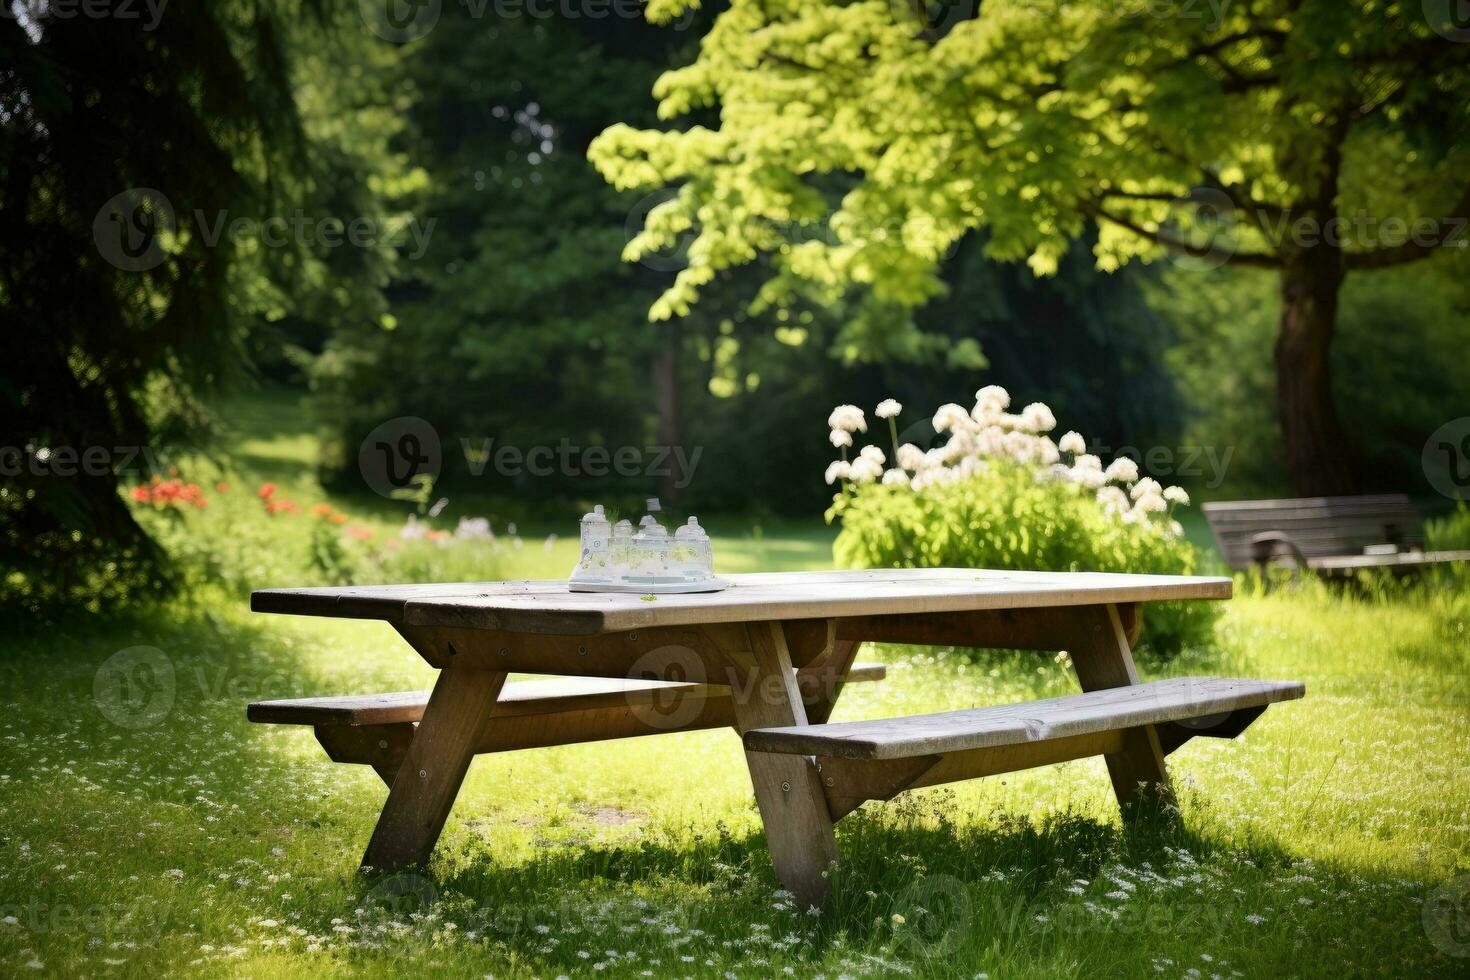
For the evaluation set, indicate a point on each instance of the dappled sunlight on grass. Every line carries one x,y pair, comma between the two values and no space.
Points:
176,837
204,843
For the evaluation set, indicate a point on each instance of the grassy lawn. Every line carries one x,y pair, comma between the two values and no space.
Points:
163,833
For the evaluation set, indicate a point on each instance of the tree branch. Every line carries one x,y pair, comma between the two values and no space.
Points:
1259,260
1450,225
1154,196
1225,42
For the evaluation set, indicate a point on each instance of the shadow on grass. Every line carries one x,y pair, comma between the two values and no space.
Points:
919,882
922,881
151,691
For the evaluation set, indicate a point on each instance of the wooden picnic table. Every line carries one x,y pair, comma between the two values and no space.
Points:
768,656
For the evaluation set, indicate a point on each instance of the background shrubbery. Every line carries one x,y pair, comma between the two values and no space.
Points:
1004,518
1449,533
999,493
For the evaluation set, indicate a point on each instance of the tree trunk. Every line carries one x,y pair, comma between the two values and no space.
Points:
666,387
1316,451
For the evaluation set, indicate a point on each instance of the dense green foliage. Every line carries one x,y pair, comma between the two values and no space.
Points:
1004,517
492,301
1451,532
264,517
520,299
129,150
1301,128
1398,373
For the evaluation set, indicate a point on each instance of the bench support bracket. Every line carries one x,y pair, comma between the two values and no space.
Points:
1174,734
381,746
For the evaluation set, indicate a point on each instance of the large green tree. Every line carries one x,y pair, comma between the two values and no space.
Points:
520,300
515,322
1316,138
133,142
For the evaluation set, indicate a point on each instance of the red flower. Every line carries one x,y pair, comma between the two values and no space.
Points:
266,489
221,488
321,510
140,494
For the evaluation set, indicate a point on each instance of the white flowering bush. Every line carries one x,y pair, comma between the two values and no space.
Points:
1000,492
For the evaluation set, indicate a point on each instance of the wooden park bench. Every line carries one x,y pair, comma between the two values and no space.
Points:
1333,537
376,729
769,657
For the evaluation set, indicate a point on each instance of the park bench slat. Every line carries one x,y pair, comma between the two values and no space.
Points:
1329,534
1362,501
1153,703
521,699
1407,559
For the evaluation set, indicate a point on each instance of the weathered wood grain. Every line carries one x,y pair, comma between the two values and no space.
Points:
519,700
548,608
1112,709
788,792
383,747
1328,534
1102,657
1012,629
455,720
849,782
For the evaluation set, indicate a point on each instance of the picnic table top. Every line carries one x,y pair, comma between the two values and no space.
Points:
547,606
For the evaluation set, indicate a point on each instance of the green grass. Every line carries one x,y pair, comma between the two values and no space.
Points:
198,843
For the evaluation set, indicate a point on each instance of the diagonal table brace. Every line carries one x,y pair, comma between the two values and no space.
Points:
455,720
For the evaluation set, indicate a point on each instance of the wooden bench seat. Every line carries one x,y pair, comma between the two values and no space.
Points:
860,760
1333,537
376,729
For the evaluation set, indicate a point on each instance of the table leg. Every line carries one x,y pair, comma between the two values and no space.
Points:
788,790
454,723
1103,658
827,680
